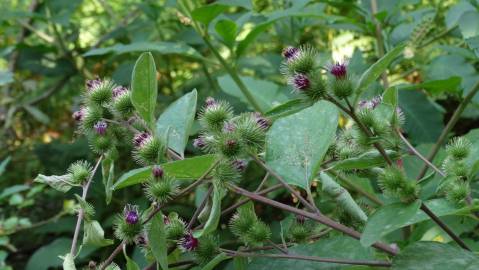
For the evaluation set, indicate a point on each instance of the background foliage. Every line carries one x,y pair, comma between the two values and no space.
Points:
49,48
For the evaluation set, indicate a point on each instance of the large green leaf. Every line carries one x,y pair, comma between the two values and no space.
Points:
215,213
189,168
364,161
266,93
333,247
296,144
469,24
162,47
178,119
206,14
59,182
227,30
94,235
287,108
434,256
157,239
373,72
387,219
423,119
144,87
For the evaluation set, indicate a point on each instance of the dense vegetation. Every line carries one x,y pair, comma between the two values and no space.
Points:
242,134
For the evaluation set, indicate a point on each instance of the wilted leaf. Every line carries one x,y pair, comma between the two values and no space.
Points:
59,182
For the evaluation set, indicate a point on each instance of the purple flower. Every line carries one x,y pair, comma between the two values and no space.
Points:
141,138
199,143
339,70
262,122
290,52
157,172
370,104
239,164
100,127
141,240
300,81
119,90
228,127
79,115
231,143
188,243
91,84
210,102
131,215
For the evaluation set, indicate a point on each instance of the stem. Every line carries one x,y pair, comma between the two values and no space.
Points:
81,213
379,40
409,145
444,227
286,185
314,216
282,250
186,190
199,209
229,69
240,203
362,127
307,258
452,122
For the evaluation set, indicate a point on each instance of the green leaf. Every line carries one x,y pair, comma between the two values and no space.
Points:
108,172
6,77
13,190
469,24
434,256
342,197
227,30
387,219
437,87
157,239
216,260
59,182
473,43
37,114
390,96
266,93
178,117
68,262
287,108
144,87
205,14
3,164
423,119
296,144
333,247
375,70
161,47
215,213
188,168
94,235
130,264
364,161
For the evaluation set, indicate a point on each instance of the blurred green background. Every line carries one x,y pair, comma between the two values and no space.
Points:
48,48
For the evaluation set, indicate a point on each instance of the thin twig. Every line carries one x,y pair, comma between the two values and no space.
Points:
286,185
314,216
243,201
81,212
199,209
452,122
307,258
409,145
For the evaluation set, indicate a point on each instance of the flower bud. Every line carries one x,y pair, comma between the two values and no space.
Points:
131,214
79,115
188,243
206,249
161,191
199,143
290,52
100,93
119,90
239,164
122,102
128,225
91,84
339,70
157,172
457,192
229,127
225,172
100,127
300,82
258,233
262,122
342,88
176,228
459,148
148,149
209,102
213,116
80,171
